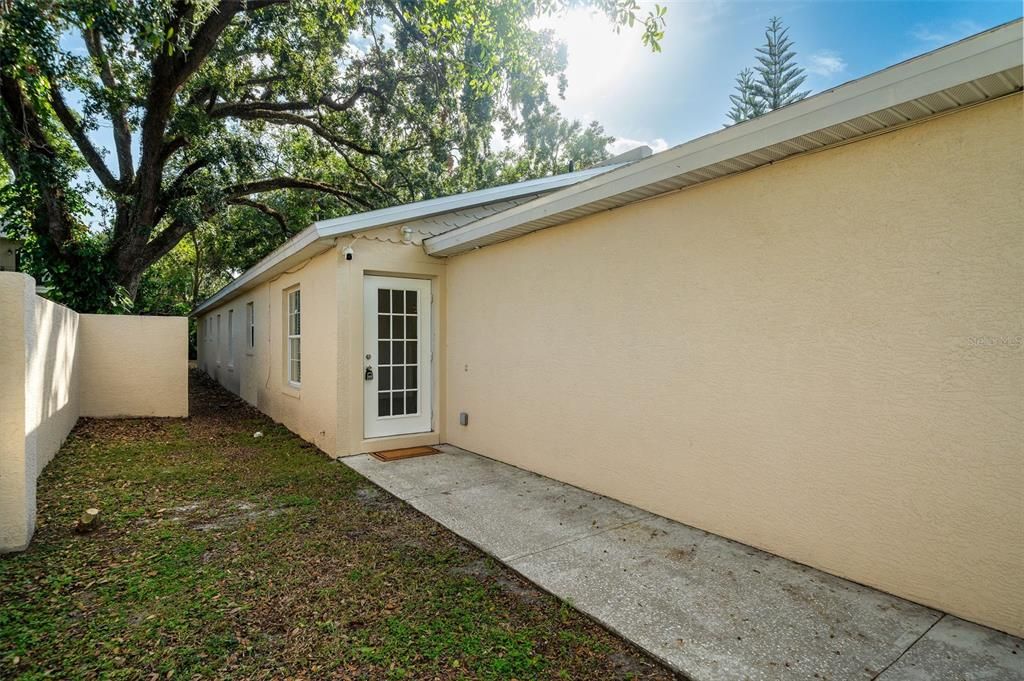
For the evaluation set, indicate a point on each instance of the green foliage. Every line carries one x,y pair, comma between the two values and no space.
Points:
745,103
778,77
281,111
87,281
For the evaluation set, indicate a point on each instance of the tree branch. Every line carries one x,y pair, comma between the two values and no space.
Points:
238,109
266,210
169,73
171,146
253,5
351,100
365,175
163,242
286,118
176,190
53,221
273,183
122,133
74,127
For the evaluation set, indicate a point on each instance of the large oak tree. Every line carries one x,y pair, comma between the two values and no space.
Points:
217,105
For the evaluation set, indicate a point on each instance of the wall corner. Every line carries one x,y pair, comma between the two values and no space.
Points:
17,441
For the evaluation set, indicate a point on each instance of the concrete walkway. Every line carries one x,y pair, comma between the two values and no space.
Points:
710,608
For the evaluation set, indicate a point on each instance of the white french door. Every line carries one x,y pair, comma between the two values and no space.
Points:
396,356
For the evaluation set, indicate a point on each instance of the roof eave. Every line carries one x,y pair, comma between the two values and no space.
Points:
350,224
269,266
302,245
982,55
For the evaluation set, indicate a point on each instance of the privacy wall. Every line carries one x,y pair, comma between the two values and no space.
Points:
57,365
821,358
134,366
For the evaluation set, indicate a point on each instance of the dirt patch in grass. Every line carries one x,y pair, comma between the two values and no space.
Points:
221,555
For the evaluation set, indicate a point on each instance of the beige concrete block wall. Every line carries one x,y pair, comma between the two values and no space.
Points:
134,366
821,358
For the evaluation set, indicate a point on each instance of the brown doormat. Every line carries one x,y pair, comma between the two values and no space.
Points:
407,453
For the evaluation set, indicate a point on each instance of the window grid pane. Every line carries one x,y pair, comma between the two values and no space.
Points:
294,337
250,323
397,352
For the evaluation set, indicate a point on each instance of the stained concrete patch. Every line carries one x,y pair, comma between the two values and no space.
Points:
451,469
955,650
526,513
709,607
716,609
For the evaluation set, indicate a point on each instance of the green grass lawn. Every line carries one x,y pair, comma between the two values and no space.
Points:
221,555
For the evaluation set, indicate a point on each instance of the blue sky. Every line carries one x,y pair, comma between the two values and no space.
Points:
667,98
683,92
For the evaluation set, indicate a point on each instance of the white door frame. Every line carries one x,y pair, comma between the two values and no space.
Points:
387,387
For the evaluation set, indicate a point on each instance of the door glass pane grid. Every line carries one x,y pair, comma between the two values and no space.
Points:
397,352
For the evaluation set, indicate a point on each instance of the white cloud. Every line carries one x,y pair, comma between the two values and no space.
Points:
947,33
623,144
826,63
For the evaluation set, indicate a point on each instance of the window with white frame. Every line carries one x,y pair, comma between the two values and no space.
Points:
295,337
217,341
231,338
250,325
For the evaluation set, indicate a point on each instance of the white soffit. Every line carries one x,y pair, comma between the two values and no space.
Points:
979,68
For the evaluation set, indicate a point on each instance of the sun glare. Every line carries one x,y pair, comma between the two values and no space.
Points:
598,56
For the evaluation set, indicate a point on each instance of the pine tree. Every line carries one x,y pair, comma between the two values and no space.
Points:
745,103
778,75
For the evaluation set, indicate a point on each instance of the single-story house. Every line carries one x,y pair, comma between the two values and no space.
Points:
802,332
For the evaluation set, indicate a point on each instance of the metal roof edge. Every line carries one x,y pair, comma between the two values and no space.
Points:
349,224
323,230
989,52
252,276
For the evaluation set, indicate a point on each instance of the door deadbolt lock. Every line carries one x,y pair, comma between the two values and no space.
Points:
369,373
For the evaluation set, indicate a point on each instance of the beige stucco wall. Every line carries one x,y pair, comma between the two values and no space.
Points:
382,252
821,358
327,409
134,366
259,375
17,450
53,394
40,402
57,365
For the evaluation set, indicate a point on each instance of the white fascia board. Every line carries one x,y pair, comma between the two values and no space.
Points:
984,54
373,219
294,246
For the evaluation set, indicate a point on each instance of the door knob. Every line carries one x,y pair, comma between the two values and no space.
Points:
369,373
